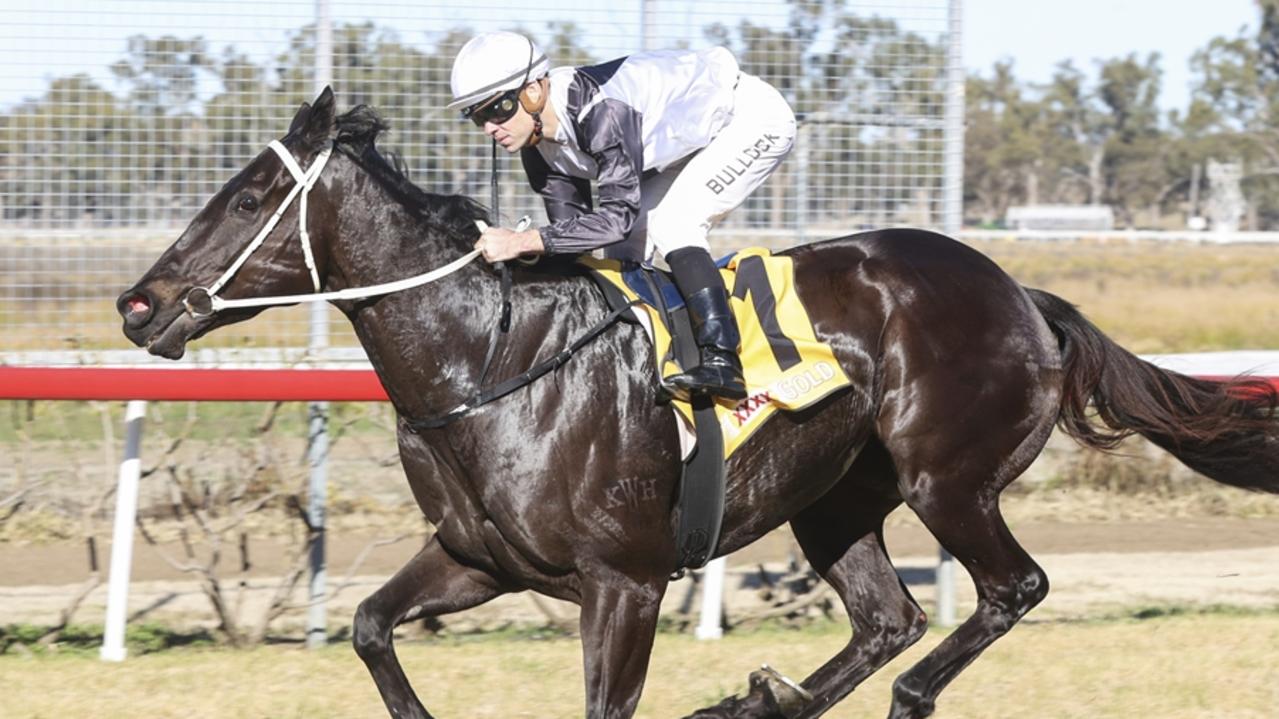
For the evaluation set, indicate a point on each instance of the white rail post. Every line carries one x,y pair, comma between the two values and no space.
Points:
126,512
945,589
711,624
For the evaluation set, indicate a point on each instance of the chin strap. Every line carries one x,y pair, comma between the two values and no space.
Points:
536,137
534,109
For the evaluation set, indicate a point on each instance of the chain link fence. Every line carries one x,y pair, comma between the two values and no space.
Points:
119,118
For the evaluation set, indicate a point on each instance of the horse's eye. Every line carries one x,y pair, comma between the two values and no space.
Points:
249,203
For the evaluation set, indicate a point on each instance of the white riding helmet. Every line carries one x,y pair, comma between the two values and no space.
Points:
492,62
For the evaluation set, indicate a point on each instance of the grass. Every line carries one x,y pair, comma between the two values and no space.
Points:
92,324
86,639
1158,297
1173,665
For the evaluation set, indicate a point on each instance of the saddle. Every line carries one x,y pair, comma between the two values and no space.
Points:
786,368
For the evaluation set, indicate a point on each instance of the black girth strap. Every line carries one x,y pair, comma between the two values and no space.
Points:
701,485
504,388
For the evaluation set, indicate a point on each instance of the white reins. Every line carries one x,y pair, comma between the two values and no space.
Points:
211,303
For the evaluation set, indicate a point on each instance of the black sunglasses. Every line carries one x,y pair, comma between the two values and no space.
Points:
497,111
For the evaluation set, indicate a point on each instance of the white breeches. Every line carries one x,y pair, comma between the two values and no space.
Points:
680,205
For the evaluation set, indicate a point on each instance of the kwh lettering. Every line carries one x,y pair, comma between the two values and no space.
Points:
630,492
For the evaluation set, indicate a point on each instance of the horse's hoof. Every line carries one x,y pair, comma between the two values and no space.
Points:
787,696
771,696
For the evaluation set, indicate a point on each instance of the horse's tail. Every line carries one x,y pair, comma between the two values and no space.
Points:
1228,431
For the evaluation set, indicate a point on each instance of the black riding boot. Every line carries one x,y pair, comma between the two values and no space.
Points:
714,329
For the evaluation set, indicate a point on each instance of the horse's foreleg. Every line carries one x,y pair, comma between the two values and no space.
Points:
619,619
432,583
842,537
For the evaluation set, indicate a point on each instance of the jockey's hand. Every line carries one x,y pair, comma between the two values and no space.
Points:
498,244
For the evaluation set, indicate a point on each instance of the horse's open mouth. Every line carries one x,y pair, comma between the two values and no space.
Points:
170,341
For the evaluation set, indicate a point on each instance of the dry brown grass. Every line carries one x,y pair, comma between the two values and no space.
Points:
94,325
1151,296
1187,667
1158,297
1137,482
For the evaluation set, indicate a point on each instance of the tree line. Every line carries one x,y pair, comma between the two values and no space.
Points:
1104,140
179,117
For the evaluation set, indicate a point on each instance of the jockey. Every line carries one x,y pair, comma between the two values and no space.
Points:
673,140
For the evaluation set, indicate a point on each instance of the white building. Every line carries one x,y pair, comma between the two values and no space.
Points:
1060,217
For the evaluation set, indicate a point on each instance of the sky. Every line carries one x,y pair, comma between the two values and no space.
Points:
1037,34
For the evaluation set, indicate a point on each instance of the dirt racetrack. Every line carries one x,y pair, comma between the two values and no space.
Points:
1095,568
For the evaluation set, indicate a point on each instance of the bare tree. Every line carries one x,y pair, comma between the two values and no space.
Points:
101,485
211,522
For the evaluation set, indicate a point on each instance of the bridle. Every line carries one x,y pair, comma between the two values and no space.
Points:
204,301
211,303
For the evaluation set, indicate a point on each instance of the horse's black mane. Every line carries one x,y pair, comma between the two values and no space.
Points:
453,215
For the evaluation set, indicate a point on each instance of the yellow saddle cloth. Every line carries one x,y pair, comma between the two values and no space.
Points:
786,366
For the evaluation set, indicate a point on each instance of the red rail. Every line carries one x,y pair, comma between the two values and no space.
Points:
214,385
228,385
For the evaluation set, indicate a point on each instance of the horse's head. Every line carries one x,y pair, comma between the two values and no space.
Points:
169,306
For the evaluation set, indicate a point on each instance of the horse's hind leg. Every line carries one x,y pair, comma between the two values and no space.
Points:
961,508
1009,584
432,583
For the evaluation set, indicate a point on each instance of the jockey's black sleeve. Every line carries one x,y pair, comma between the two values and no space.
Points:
565,197
611,132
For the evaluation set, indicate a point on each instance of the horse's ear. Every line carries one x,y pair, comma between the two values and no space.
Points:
299,119
317,129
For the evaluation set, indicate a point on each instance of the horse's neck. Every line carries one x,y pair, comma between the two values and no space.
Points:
428,344
418,340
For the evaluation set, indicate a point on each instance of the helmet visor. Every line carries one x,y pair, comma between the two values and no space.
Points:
496,110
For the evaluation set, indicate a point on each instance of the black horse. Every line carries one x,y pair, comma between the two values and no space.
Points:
959,375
